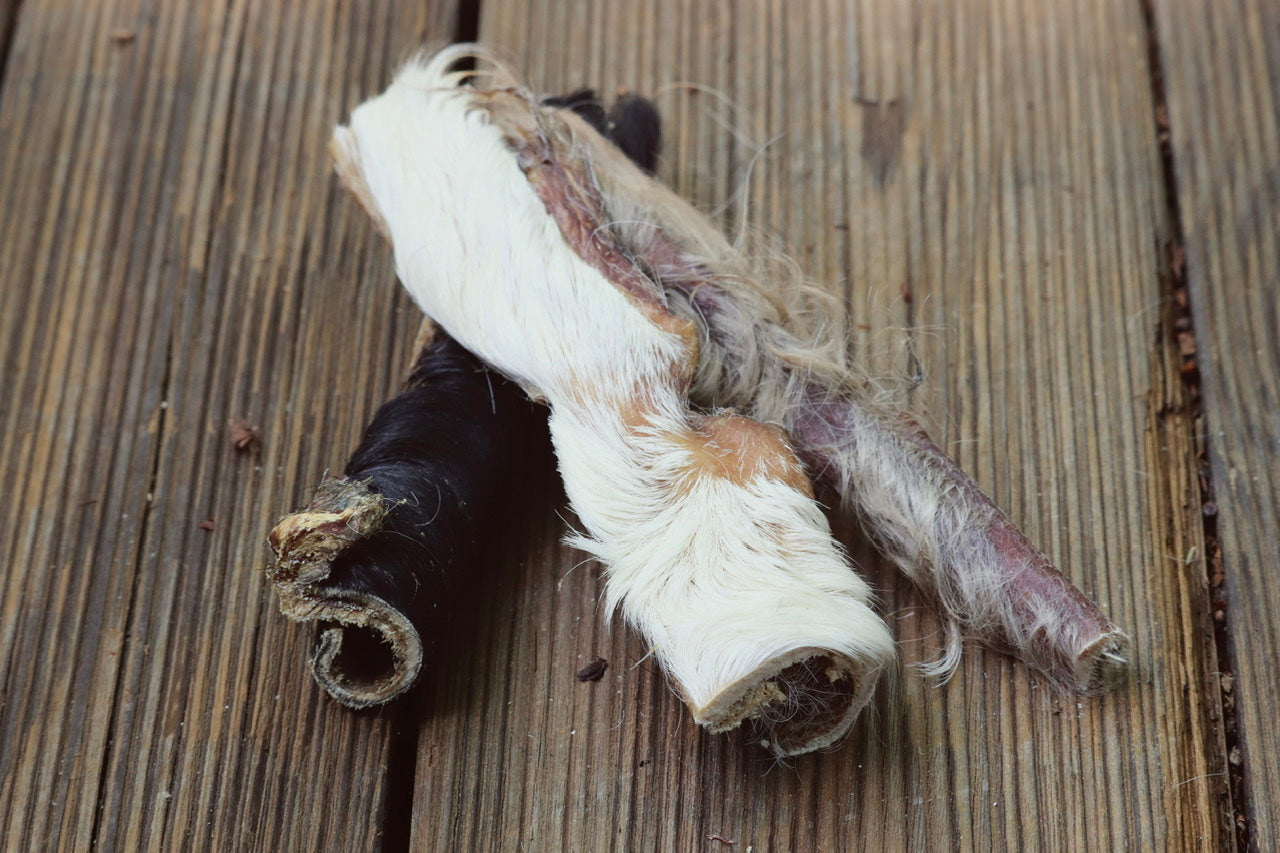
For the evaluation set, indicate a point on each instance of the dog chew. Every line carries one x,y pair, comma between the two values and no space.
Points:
375,559
713,546
759,356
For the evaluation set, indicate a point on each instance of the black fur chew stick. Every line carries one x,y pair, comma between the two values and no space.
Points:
377,553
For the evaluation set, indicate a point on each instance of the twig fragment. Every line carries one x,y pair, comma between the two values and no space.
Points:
244,438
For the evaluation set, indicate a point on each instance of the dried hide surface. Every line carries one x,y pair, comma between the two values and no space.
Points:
375,558
713,546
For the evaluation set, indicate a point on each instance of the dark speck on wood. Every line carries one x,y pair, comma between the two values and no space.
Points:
593,671
883,125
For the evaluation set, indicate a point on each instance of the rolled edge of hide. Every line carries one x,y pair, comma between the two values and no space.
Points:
804,701
713,546
377,556
797,654
799,698
367,649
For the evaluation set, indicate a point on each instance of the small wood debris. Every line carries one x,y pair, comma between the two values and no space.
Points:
122,36
721,839
1186,344
244,438
207,524
593,671
1177,261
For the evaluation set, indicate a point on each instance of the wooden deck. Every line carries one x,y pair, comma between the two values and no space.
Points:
1067,214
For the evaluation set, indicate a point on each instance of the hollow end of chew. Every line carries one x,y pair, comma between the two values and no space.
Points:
367,651
1103,665
801,702
362,665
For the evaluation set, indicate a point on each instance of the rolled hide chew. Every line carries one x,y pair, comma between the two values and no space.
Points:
772,357
713,546
376,557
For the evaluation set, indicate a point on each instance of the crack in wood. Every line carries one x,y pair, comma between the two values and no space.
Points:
1183,328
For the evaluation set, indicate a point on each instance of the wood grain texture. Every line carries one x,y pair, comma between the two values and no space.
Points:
982,182
1222,80
176,256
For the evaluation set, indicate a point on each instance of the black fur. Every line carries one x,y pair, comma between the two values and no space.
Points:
441,453
632,124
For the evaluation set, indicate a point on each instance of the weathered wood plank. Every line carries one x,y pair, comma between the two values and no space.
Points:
175,255
1222,80
81,491
995,162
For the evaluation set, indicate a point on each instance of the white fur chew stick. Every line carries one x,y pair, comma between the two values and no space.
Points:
929,517
714,547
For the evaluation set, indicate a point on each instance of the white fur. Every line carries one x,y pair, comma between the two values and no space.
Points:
476,249
730,577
